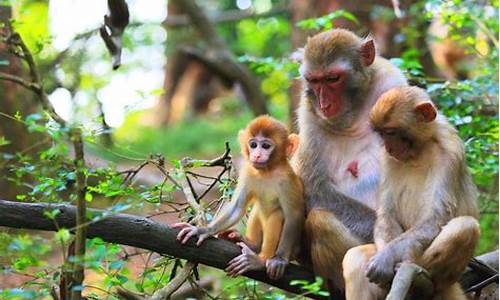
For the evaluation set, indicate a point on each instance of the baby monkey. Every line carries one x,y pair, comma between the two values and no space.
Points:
427,203
269,183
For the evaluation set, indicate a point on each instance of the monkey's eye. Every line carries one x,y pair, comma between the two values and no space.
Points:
332,78
266,146
389,132
312,80
253,144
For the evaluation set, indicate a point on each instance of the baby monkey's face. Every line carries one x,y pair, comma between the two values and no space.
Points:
260,150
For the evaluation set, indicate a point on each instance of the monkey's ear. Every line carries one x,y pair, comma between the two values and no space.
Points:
293,144
368,52
297,55
426,112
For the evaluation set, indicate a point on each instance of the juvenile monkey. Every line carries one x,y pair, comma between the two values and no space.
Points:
337,159
268,182
427,206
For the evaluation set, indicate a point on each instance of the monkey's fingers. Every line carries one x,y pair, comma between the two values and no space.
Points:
185,234
243,270
235,261
276,272
239,269
275,267
180,225
202,238
280,272
245,249
377,276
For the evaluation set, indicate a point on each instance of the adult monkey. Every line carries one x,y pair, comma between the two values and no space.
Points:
338,154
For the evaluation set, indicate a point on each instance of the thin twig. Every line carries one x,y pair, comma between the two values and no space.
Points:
175,284
404,278
481,285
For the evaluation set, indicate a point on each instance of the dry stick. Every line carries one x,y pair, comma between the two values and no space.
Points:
36,86
174,284
406,275
200,219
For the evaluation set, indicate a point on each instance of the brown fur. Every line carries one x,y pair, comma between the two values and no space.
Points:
277,216
427,203
340,206
329,45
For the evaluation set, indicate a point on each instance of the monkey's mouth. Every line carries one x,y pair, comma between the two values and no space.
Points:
259,165
329,109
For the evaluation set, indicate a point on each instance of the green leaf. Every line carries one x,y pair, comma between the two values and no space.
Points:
63,235
52,214
116,265
88,197
32,23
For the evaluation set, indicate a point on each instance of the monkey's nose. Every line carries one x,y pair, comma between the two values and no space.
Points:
325,107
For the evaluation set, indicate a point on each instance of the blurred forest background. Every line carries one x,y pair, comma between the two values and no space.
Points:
183,89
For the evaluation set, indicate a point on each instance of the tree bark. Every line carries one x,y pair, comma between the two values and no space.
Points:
143,233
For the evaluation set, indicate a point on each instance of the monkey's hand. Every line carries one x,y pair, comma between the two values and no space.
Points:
275,267
188,231
244,262
382,267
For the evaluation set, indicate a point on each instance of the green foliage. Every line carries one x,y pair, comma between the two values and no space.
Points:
202,136
314,288
326,22
259,37
32,23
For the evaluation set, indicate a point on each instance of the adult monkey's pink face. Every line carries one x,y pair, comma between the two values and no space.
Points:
328,86
335,68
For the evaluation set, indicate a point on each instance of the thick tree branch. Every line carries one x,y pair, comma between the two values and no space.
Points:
143,233
220,54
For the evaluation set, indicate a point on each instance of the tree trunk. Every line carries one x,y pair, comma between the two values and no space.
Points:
12,100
